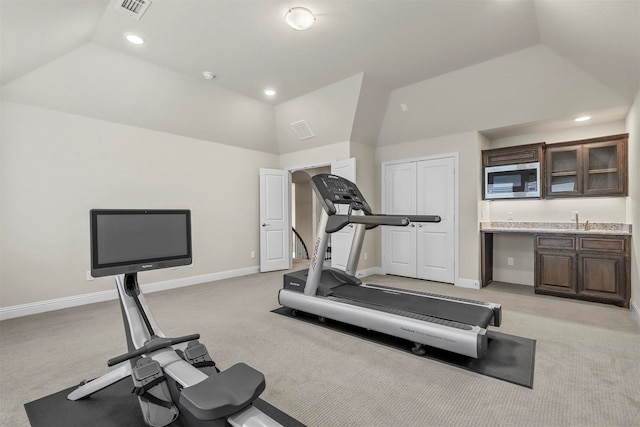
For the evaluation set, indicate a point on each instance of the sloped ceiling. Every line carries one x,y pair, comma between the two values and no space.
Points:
396,43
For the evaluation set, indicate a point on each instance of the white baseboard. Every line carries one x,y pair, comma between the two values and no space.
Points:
635,309
468,283
91,298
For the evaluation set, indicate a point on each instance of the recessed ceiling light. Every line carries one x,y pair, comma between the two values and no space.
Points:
269,92
134,38
582,119
299,18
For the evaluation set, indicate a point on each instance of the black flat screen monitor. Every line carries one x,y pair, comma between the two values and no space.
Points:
129,241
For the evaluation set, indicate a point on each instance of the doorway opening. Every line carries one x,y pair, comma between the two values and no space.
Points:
305,213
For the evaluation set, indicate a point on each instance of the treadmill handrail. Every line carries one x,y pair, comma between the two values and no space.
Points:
424,218
338,222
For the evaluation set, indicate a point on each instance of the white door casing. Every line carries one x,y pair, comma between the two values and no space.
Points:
275,221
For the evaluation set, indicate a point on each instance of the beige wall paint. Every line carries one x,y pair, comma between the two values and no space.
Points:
467,145
56,166
365,179
526,86
95,81
329,112
312,157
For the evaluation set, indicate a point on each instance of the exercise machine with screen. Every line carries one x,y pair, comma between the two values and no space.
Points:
453,324
171,376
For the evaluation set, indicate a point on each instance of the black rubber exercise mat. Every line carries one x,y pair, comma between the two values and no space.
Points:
115,406
509,358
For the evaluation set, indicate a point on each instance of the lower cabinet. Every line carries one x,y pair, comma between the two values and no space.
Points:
587,267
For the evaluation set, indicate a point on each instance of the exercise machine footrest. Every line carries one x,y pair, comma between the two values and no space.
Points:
223,394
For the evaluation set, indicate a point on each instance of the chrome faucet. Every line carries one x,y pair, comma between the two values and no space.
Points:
586,226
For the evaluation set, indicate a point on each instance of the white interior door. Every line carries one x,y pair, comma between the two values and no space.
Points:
436,196
275,221
399,243
341,240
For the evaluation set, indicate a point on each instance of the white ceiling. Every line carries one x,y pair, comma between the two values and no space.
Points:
247,44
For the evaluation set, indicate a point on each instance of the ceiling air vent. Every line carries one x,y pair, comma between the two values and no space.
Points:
301,128
132,8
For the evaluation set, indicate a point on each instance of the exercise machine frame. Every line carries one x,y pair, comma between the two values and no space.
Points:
195,388
311,295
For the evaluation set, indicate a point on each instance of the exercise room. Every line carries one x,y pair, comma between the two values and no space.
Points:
324,214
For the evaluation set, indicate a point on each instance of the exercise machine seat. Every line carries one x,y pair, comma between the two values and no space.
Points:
223,394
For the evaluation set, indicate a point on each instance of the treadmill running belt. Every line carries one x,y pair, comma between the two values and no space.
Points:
443,309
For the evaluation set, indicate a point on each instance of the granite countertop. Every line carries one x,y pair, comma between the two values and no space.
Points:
610,228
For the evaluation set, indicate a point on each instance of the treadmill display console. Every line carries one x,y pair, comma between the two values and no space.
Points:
333,189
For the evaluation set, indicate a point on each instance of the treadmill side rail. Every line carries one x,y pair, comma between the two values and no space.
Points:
470,342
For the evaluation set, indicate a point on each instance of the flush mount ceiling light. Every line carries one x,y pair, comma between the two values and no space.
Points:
269,92
134,38
299,18
582,119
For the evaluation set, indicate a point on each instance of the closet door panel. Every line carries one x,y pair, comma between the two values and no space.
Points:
435,196
399,243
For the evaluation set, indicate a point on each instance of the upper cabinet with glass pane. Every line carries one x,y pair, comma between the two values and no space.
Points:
591,167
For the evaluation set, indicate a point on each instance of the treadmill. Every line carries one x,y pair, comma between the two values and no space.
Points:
454,324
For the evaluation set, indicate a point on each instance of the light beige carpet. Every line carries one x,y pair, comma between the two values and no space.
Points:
587,358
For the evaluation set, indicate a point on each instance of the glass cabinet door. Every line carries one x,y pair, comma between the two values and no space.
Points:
563,166
595,167
601,171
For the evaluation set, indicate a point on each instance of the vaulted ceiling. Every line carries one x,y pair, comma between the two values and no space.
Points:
249,48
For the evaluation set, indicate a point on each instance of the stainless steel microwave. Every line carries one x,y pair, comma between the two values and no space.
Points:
512,181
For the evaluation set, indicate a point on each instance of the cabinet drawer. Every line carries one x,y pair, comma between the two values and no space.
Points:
603,244
550,241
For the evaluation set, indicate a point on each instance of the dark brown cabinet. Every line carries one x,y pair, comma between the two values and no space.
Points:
513,155
592,167
587,267
556,265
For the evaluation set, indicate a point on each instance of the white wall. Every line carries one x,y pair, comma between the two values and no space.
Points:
315,156
329,112
524,87
56,166
633,205
94,81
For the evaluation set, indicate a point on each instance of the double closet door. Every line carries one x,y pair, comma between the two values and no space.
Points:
423,250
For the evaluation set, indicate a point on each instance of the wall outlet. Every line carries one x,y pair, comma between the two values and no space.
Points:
574,214
510,215
366,256
89,276
253,254
509,261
